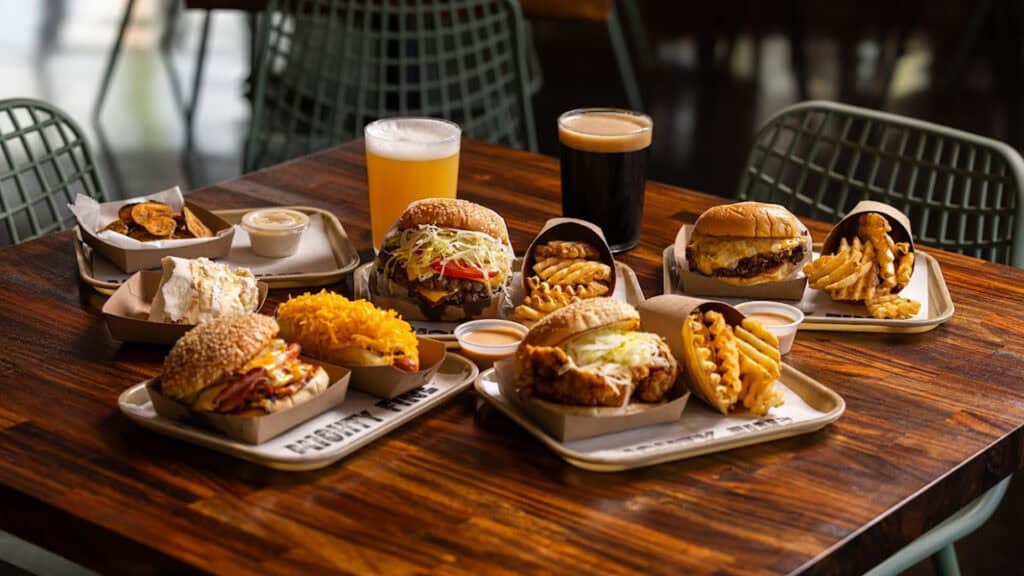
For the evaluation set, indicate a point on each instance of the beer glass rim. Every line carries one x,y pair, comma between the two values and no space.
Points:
605,110
455,136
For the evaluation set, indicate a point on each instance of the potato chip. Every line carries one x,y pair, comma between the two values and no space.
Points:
194,225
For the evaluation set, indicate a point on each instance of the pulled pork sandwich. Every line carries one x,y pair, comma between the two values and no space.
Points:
747,243
445,252
591,354
236,365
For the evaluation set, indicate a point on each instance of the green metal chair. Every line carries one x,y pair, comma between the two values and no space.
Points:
961,191
44,163
328,67
938,542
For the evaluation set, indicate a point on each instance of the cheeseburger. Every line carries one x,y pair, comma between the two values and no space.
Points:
236,365
590,354
445,252
747,243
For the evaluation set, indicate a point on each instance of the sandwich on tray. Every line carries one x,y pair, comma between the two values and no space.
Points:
237,365
590,358
747,243
442,253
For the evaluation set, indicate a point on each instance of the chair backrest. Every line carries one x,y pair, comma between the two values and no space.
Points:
961,191
329,67
44,163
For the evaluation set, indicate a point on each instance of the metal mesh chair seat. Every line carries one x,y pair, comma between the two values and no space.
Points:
329,67
961,191
44,163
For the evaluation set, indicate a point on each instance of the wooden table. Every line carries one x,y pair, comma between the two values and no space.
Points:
932,421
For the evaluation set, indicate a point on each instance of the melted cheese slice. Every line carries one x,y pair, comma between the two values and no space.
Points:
718,253
433,295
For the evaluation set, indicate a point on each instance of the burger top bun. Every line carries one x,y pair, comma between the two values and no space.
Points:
747,220
213,350
454,213
578,317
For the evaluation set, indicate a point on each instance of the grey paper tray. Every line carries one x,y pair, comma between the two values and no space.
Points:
325,439
344,254
809,406
940,304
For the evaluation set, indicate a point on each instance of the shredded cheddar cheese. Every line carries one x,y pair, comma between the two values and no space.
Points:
327,322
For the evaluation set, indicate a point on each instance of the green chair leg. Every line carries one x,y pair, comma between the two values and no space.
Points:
945,562
938,542
625,63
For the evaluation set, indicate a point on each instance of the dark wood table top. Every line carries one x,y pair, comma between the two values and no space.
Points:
932,421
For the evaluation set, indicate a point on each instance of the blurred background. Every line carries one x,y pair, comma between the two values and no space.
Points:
708,73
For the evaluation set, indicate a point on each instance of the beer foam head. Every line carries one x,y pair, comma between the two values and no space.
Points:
412,138
604,130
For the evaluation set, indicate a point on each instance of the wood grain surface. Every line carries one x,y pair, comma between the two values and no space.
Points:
932,421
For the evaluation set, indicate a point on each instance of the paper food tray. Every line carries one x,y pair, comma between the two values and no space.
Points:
322,440
325,255
809,406
927,286
627,289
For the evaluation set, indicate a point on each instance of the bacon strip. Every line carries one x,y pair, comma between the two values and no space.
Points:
234,394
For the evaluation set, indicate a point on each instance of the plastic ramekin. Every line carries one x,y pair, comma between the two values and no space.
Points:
275,232
784,332
485,355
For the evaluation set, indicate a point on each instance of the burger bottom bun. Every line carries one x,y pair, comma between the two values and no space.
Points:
633,407
774,275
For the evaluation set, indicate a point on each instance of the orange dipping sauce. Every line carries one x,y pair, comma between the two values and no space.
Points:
770,318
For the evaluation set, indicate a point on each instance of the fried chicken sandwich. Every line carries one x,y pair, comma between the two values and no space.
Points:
237,365
590,355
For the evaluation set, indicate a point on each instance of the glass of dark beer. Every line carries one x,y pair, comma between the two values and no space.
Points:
604,169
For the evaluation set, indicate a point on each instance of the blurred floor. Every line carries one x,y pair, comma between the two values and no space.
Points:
705,116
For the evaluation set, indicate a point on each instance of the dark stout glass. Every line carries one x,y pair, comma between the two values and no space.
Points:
604,169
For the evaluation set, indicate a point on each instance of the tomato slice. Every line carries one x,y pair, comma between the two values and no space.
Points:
460,270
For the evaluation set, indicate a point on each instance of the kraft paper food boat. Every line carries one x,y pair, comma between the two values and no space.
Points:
389,382
927,285
326,257
809,406
570,426
127,311
131,255
257,429
324,439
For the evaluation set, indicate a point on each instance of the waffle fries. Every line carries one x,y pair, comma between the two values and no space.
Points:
564,272
892,306
868,266
732,366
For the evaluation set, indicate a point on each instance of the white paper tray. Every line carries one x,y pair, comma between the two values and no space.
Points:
809,406
346,258
325,439
938,310
627,289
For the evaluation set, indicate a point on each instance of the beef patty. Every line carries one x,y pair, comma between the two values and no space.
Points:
760,263
461,291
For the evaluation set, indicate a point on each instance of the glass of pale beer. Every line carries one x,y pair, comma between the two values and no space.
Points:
408,159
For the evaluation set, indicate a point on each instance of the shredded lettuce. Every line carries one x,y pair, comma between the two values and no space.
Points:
631,349
419,247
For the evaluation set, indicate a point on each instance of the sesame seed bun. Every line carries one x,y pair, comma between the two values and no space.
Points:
747,220
578,317
212,351
454,213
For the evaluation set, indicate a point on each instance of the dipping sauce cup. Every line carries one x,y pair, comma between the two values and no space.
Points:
489,340
275,232
778,318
